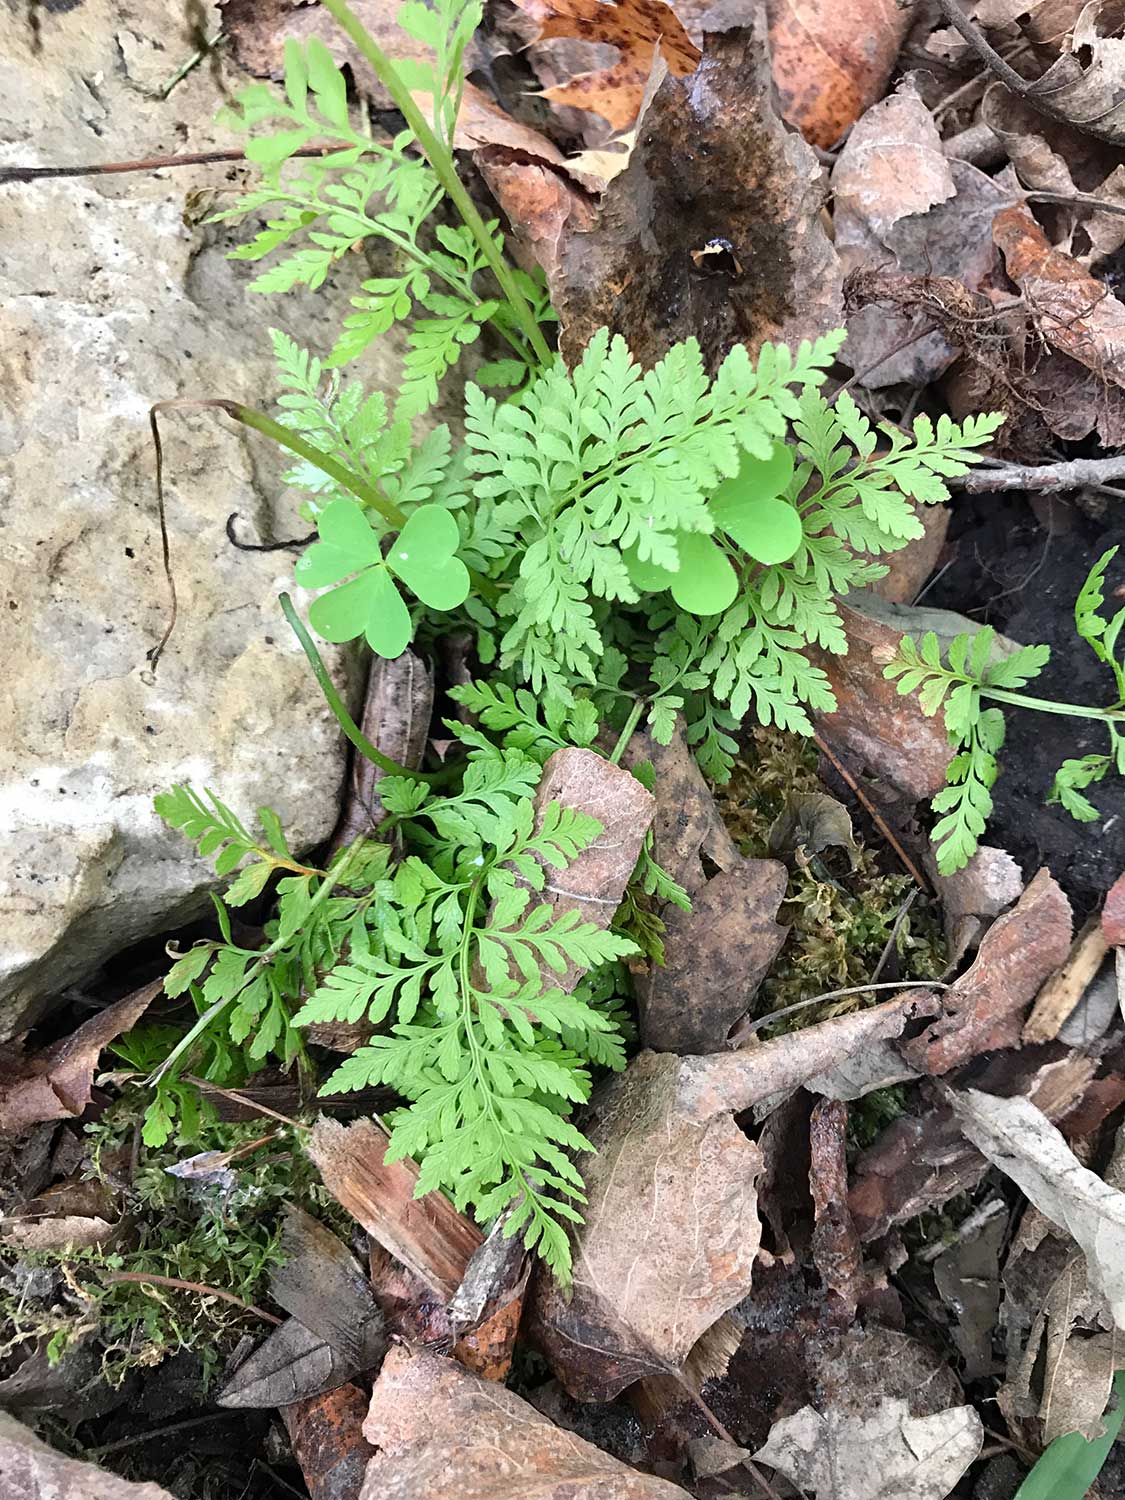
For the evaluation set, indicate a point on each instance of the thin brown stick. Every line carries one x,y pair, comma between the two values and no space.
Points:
874,813
135,1438
723,1432
142,1277
750,1028
243,1099
1077,200
141,164
1024,87
1070,475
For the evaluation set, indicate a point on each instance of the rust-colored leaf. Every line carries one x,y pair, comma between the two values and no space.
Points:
445,1434
1073,311
669,1241
1113,913
427,1234
635,28
713,230
832,58
55,1083
985,1008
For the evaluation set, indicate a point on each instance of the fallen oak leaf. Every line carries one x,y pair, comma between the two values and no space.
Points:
445,1434
635,28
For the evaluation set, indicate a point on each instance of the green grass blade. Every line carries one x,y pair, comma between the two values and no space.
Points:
1069,1466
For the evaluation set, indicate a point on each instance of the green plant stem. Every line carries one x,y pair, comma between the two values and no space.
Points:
626,734
441,159
1046,706
327,885
343,476
336,703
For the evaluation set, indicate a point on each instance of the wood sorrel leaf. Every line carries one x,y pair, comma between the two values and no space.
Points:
368,605
347,544
648,577
748,508
706,582
424,557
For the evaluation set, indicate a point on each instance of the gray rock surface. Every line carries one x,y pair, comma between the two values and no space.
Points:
115,295
29,1470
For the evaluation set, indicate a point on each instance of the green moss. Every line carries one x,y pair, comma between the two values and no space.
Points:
840,918
216,1233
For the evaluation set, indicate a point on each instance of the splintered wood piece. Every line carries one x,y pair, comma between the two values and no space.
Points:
1067,985
427,1234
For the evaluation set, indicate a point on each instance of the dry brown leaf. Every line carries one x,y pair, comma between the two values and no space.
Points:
715,957
688,827
972,897
669,1241
1086,86
742,1079
836,1250
832,59
426,1234
902,206
985,1008
874,724
543,207
881,1454
320,1282
55,1084
67,1232
444,1434
1073,311
1113,913
713,230
398,705
292,1364
635,28
328,1443
922,1160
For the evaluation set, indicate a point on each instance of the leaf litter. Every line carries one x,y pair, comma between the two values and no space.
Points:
761,1208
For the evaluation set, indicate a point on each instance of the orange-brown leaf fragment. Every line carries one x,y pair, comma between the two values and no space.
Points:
635,28
832,58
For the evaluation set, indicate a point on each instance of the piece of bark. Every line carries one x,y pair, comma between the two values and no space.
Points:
328,1442
30,1470
715,957
713,230
1066,987
398,706
55,1084
706,1086
321,1283
594,882
427,1234
873,722
836,1250
669,1240
921,1161
984,1009
444,1434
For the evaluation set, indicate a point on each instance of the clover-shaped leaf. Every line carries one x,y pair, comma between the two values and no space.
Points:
705,582
369,604
748,508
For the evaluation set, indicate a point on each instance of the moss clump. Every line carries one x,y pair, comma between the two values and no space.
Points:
219,1229
840,918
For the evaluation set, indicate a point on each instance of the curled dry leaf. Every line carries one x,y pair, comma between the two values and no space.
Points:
1073,311
832,58
902,206
636,28
1019,1139
669,1241
713,230
445,1434
55,1083
292,1364
984,1010
1086,86
882,1454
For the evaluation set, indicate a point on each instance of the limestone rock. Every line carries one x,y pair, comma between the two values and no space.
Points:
32,1471
116,295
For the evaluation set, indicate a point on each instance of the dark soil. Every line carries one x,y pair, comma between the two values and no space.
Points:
1013,572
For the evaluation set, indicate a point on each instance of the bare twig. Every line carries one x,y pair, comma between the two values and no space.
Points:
141,164
1077,200
874,813
750,1028
243,1099
145,1277
1024,87
1070,475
